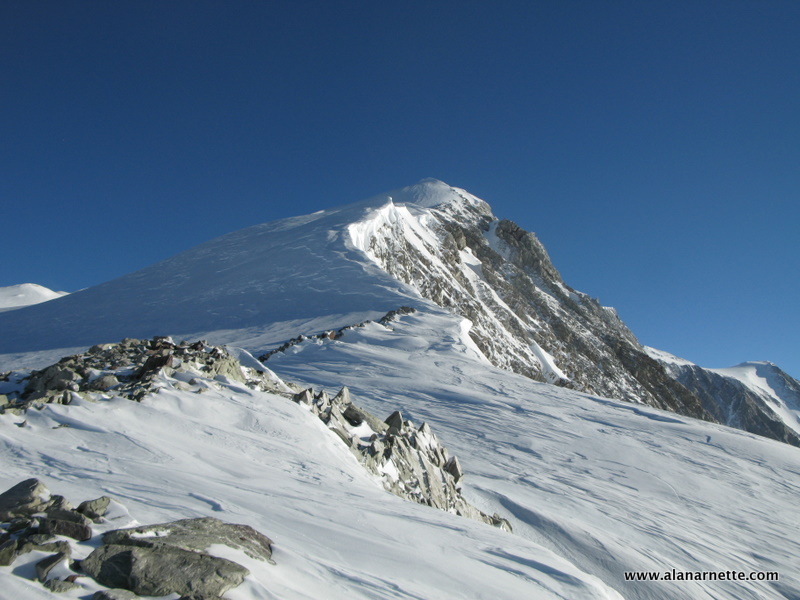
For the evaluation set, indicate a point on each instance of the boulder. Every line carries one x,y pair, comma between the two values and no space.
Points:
44,566
71,515
70,529
59,587
195,535
395,422
24,499
8,552
104,382
453,467
115,594
12,549
162,570
94,509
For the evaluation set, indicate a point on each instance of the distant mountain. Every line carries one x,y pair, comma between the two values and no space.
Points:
424,245
25,294
755,396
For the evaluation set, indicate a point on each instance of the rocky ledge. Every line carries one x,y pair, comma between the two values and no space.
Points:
153,560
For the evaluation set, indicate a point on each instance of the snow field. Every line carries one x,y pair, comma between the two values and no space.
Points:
259,459
610,486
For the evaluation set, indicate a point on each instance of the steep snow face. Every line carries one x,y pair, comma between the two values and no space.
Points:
423,245
449,247
296,270
25,294
611,486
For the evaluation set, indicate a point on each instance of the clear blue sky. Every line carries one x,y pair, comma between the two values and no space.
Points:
654,147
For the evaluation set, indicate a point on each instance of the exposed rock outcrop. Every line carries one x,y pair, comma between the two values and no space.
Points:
153,560
331,334
131,368
524,317
733,403
410,461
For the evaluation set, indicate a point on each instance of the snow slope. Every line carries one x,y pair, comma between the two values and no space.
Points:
25,294
593,487
610,486
251,457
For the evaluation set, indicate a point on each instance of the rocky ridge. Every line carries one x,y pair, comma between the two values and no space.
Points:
410,461
733,403
449,246
524,318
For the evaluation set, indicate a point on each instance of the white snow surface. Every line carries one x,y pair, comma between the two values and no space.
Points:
259,459
593,487
25,294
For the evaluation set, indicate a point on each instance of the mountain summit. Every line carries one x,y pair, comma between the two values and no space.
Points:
429,246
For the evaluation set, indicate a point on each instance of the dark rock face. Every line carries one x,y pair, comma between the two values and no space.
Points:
524,317
734,404
527,320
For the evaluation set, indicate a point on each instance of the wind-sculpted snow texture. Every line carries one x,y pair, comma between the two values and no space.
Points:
612,486
592,487
210,437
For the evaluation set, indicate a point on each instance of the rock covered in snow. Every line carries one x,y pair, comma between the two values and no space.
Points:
131,368
411,462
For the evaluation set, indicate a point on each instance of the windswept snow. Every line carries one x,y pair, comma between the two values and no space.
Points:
259,459
594,487
611,486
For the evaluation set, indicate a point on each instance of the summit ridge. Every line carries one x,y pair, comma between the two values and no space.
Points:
429,246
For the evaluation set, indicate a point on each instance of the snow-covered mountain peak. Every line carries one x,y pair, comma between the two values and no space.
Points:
431,193
25,294
429,246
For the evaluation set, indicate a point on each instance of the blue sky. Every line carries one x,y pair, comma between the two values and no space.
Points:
654,147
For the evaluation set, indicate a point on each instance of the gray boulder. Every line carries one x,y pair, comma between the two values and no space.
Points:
70,529
12,549
195,535
44,566
59,586
115,594
24,499
395,422
162,570
103,383
94,509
